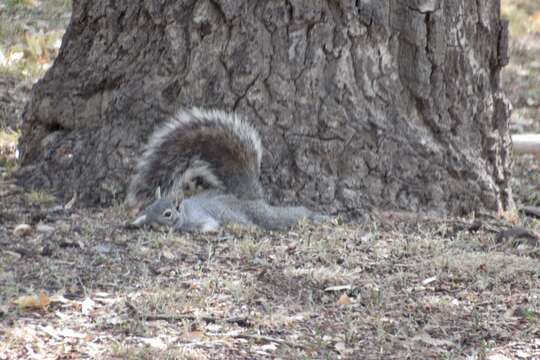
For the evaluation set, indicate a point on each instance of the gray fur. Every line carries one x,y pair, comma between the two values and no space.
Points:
237,125
222,151
210,210
173,161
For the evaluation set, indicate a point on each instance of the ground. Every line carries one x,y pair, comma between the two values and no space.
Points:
76,283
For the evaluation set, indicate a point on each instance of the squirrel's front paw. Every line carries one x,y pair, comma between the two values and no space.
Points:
209,226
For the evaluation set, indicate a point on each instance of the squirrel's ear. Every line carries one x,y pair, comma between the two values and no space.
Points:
158,193
178,200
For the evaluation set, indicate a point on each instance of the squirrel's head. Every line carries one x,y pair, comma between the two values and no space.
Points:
162,211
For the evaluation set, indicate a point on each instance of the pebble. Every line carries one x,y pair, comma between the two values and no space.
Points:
43,228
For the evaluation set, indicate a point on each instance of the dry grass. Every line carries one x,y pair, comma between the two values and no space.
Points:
423,289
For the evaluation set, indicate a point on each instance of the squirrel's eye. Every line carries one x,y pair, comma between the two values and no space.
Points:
167,214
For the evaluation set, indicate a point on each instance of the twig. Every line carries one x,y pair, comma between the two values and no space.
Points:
241,321
533,211
270,339
9,193
518,232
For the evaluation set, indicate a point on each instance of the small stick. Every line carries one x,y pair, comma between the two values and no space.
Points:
242,321
270,339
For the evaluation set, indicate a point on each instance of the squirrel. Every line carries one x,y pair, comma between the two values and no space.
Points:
208,211
199,149
204,168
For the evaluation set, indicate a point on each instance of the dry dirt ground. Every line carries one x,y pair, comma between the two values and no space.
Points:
75,283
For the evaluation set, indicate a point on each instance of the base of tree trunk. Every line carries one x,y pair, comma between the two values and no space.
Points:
394,104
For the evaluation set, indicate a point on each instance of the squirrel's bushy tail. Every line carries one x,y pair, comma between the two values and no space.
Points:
209,147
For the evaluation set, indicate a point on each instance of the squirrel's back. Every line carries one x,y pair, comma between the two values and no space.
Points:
209,147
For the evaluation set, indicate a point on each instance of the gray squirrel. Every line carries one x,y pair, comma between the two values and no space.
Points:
215,157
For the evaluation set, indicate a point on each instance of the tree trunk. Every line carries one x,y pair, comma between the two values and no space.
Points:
394,103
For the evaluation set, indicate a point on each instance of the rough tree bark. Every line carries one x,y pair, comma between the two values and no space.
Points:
391,103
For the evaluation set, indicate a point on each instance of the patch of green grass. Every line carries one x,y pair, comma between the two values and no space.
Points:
40,198
30,34
8,138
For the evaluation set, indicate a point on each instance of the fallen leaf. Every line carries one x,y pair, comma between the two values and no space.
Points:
41,301
344,300
429,280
